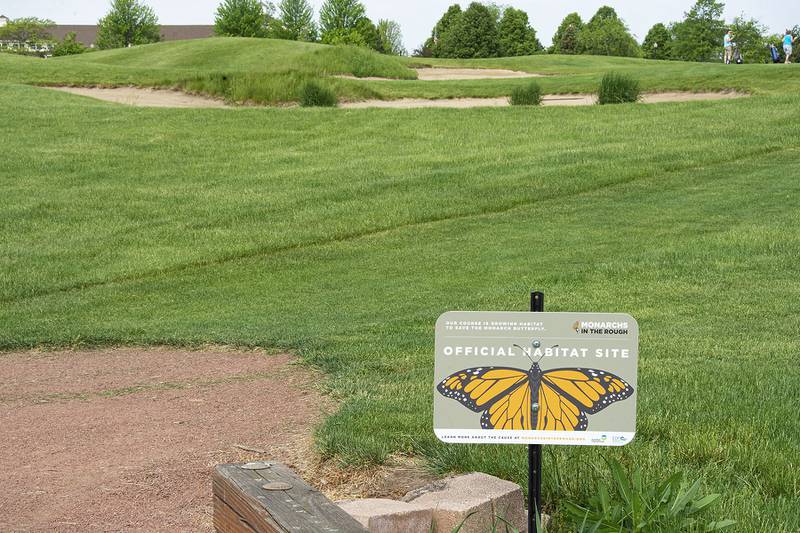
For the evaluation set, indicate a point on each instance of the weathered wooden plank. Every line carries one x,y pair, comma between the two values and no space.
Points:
252,513
226,519
298,509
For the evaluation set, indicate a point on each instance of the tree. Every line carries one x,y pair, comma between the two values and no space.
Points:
344,37
391,38
658,43
749,36
699,36
437,42
517,38
27,30
295,21
69,46
607,35
603,14
241,18
340,16
473,34
369,32
565,40
128,23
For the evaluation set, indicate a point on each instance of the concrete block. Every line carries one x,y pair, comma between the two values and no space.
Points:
389,516
475,499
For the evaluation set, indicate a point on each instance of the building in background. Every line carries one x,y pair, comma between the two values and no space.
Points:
87,34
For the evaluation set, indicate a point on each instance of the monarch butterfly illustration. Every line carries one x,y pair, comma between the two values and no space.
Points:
552,400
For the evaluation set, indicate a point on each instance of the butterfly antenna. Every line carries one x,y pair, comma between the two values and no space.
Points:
542,356
525,352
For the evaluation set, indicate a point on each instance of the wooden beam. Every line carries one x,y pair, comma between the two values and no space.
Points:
241,505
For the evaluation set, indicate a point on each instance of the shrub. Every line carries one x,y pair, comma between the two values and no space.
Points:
529,94
69,46
618,89
315,94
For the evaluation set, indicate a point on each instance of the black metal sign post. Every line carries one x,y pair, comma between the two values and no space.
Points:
535,453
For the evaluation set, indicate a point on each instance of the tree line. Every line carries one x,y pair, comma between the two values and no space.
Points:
340,22
488,30
132,22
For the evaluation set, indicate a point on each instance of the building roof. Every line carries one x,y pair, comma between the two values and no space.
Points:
84,34
185,33
87,34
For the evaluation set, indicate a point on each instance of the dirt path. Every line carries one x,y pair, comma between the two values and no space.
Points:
137,96
125,439
548,100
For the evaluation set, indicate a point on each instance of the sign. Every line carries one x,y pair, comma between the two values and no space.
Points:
536,378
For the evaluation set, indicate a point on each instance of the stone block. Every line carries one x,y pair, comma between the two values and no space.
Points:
389,516
475,499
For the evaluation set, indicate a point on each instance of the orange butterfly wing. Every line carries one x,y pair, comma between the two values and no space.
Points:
555,412
478,389
512,411
567,395
591,390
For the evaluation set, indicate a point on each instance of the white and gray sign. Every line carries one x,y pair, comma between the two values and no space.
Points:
536,378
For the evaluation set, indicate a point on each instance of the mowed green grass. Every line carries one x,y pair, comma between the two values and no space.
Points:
343,235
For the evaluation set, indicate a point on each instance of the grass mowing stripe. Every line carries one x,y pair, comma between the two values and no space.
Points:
263,252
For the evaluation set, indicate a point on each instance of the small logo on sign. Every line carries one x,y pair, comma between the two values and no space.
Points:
600,328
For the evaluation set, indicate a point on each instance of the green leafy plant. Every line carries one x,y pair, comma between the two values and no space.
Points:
618,88
630,506
529,94
315,94
69,46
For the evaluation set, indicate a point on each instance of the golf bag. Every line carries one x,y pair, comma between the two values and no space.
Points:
737,55
773,53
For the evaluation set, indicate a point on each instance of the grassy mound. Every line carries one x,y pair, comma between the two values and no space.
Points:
238,69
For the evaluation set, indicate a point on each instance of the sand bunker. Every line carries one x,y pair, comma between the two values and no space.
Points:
550,100
137,96
126,439
441,74
433,74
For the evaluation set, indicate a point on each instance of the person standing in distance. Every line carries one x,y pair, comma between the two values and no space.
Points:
728,43
788,41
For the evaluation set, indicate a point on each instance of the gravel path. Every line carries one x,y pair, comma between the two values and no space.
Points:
126,439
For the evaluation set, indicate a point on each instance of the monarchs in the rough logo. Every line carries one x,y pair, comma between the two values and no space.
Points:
601,328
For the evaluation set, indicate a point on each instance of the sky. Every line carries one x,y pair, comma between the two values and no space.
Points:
417,17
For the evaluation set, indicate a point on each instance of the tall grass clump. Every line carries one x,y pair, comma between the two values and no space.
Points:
618,88
626,504
358,61
528,94
315,94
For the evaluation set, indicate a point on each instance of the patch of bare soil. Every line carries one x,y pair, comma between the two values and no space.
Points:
549,100
141,97
126,439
